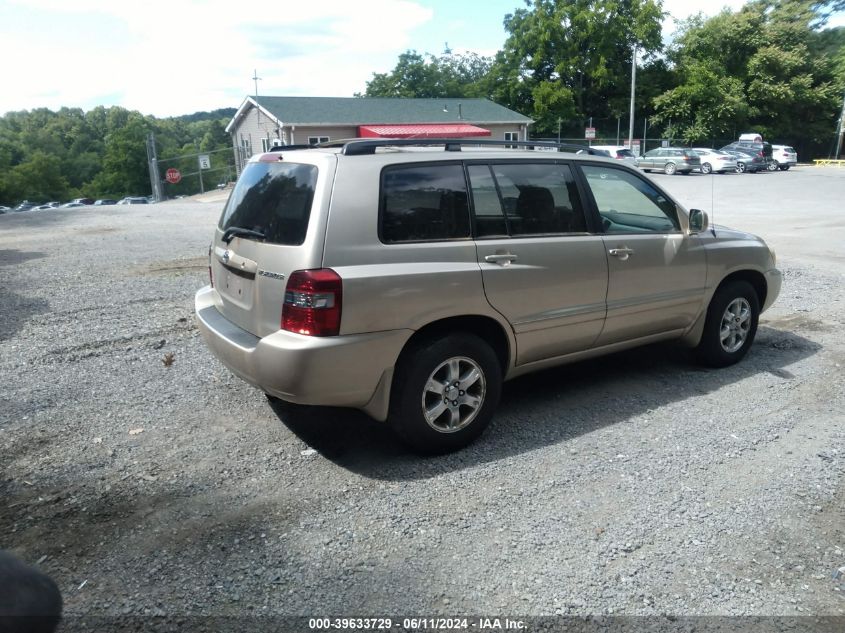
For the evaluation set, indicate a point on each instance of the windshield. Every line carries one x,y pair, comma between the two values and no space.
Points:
273,199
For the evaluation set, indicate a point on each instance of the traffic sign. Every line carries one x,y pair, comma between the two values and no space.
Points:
205,161
172,176
589,133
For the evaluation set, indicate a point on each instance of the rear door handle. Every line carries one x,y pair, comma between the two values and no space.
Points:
501,258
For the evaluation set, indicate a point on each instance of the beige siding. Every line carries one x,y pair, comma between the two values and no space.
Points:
301,133
256,125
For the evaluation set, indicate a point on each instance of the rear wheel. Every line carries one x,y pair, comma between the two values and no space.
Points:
730,325
445,392
773,165
706,168
740,168
669,169
784,167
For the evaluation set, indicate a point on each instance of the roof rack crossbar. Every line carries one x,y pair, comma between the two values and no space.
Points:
360,147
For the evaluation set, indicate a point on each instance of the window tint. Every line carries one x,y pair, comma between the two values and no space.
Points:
273,198
424,203
628,204
489,216
536,199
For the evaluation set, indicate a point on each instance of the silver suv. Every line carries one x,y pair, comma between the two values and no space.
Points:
410,281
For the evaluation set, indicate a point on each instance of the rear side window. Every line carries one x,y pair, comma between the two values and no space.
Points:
625,153
525,199
273,198
422,203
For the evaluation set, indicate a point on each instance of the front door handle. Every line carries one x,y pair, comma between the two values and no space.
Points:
622,253
501,258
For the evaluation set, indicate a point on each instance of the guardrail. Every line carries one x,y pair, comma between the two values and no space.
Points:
822,162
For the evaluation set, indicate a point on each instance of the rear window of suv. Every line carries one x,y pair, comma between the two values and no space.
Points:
273,198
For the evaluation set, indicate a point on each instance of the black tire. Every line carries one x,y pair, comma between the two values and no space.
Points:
740,168
428,360
706,168
669,168
784,167
722,341
772,166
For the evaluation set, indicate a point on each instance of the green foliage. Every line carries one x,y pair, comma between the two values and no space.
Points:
427,76
572,58
47,155
765,68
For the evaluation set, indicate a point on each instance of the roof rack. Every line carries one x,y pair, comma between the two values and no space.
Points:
360,147
288,148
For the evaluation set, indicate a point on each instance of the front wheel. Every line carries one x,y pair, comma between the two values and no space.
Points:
706,168
669,169
445,392
730,325
772,166
740,168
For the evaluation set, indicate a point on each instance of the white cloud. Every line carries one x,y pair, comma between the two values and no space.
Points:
164,57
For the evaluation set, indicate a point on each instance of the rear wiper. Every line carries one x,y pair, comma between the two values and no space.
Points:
237,231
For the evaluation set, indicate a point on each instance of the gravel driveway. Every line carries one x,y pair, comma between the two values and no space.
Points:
146,479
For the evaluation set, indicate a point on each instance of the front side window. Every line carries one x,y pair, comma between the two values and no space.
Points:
525,199
421,203
628,204
273,199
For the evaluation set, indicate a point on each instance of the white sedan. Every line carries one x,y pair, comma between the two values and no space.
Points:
713,160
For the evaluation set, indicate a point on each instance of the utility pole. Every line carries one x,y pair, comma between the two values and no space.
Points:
256,79
841,131
558,129
152,163
645,129
633,90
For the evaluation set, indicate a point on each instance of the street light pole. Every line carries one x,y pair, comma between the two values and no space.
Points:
633,89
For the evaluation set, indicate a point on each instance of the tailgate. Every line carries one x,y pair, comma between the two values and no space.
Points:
270,227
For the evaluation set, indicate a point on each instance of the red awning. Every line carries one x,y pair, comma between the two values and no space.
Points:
422,130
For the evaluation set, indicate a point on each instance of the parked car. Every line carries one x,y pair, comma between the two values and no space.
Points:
784,156
4,209
85,201
46,206
410,283
24,205
104,202
72,205
761,149
619,152
670,160
749,161
133,200
715,161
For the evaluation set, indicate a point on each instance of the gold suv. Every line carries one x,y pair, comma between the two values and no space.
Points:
410,278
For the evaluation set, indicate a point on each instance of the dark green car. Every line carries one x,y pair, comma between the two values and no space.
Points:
671,160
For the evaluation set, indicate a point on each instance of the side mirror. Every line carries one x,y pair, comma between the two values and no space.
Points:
698,221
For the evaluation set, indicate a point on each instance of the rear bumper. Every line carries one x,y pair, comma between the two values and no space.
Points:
341,371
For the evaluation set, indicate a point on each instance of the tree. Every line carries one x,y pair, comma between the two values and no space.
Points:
763,68
427,76
571,59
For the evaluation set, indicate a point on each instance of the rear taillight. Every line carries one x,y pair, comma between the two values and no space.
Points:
312,302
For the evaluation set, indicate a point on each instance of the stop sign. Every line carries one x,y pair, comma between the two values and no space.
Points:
172,176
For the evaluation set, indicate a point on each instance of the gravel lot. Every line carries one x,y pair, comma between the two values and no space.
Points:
634,484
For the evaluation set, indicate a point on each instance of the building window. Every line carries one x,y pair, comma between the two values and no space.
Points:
314,140
511,136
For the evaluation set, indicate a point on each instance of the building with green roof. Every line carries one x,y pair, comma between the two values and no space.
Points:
265,122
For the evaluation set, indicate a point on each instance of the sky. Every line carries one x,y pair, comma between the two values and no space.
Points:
172,57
